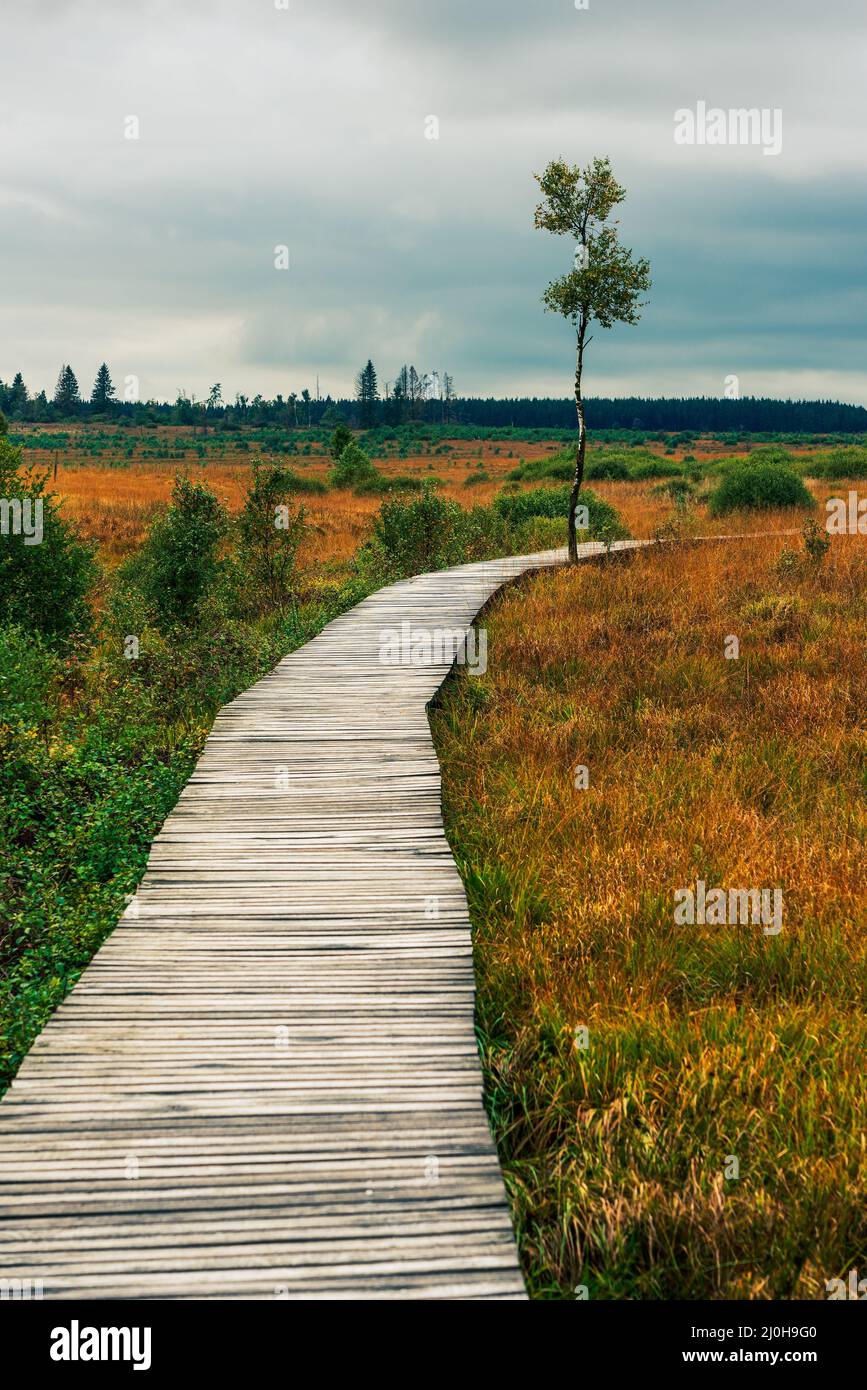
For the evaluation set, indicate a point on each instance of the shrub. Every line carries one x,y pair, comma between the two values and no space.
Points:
539,533
655,468
270,534
756,486
29,675
610,469
297,482
339,441
354,469
837,463
414,537
43,585
179,562
484,534
559,468
604,521
677,490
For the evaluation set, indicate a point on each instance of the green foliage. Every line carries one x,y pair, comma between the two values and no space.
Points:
607,289
44,585
606,469
759,485
339,440
297,482
560,468
837,463
793,564
678,490
179,562
354,469
270,534
646,469
30,675
414,537
4,424
604,521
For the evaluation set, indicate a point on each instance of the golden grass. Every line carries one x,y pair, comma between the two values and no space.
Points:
706,1041
114,505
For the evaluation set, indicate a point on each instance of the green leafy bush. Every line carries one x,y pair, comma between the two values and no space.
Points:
608,469
179,561
756,486
339,441
837,463
46,570
604,521
355,469
297,482
30,674
413,537
655,468
270,534
559,468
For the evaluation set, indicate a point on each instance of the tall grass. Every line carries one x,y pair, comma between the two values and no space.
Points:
705,1042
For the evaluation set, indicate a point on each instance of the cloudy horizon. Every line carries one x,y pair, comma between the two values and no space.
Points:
260,127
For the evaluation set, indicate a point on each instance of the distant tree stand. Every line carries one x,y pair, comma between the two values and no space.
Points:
605,284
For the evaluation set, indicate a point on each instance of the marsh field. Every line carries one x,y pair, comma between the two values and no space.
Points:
628,1059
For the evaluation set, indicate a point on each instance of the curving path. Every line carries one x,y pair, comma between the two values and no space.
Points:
266,1083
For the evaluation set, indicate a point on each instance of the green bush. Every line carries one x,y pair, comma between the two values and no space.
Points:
608,469
655,468
179,562
270,534
297,482
836,463
559,468
44,584
414,537
339,441
539,533
30,674
355,469
756,486
604,521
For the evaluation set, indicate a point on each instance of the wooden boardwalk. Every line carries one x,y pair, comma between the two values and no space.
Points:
266,1083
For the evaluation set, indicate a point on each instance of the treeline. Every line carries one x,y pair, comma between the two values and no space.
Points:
424,398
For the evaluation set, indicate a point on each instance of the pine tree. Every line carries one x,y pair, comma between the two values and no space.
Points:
17,395
102,395
367,391
66,394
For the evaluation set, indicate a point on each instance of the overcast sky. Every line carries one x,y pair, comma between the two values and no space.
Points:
262,126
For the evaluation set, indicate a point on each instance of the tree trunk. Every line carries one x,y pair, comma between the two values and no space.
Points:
579,453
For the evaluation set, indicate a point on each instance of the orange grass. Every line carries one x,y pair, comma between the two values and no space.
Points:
704,1042
114,506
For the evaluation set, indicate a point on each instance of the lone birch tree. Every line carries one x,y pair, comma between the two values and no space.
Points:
605,284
